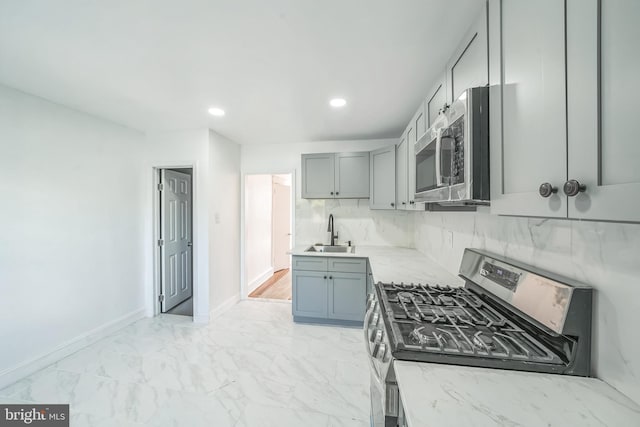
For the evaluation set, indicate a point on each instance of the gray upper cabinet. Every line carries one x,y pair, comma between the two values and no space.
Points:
401,172
318,176
352,175
562,94
602,73
469,66
335,175
405,162
383,178
528,124
436,100
416,130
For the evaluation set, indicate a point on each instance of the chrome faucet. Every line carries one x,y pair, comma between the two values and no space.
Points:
330,230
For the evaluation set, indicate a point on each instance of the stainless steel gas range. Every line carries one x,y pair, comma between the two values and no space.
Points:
507,316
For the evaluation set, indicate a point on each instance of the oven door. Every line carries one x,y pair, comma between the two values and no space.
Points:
434,165
384,395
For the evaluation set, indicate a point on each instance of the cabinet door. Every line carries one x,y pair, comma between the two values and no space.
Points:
469,66
418,128
436,100
318,176
347,296
352,175
602,98
401,173
310,295
528,126
383,178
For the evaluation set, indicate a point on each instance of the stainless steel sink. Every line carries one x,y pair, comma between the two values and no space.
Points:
332,249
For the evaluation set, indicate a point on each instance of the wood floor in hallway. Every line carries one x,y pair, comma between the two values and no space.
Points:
277,286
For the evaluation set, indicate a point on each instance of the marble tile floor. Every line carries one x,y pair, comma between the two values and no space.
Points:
251,366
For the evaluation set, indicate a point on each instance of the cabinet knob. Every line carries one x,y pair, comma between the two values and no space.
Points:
337,193
546,189
330,277
411,202
404,203
325,277
392,204
332,193
572,188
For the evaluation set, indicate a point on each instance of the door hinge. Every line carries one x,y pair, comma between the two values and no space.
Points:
161,298
160,187
160,242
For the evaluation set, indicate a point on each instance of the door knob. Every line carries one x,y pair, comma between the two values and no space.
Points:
572,188
546,189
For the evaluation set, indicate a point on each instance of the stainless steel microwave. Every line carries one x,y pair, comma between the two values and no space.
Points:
452,158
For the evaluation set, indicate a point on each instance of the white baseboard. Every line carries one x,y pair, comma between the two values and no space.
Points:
14,373
226,305
260,279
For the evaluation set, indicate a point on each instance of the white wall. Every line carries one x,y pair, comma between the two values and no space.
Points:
224,219
187,149
258,229
603,255
353,219
71,251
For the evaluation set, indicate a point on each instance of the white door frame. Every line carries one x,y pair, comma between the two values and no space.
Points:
244,286
157,265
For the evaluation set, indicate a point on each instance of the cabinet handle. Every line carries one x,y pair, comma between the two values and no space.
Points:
572,188
546,189
411,202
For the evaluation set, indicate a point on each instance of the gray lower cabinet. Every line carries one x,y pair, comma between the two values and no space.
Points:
310,295
335,293
347,296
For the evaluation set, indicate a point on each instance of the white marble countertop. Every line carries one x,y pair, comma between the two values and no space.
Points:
393,264
448,395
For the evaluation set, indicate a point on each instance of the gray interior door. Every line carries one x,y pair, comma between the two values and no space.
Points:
175,231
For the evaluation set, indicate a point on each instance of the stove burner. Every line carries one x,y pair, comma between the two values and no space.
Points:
425,338
404,286
406,296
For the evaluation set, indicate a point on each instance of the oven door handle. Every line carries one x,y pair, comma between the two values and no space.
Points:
438,157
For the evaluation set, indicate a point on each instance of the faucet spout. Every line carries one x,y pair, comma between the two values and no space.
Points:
330,229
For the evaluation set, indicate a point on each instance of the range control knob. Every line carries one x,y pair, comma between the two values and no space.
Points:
381,352
546,189
375,319
572,188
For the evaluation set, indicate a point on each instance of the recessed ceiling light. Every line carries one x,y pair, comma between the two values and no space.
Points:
219,112
337,102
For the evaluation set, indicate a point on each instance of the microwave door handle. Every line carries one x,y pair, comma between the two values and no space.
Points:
438,157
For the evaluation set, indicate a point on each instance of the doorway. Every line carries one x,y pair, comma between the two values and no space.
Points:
175,241
268,235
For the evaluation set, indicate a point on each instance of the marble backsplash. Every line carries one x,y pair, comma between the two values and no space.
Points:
353,220
603,255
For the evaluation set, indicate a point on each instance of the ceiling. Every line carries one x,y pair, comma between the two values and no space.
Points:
272,65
